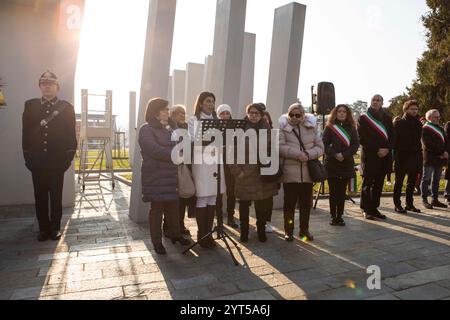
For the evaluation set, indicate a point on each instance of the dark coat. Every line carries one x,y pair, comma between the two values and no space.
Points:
334,145
159,173
447,137
251,187
371,141
51,147
433,148
407,145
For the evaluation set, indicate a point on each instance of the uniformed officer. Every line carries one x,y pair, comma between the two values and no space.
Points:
49,144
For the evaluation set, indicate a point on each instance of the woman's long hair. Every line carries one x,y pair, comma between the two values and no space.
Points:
349,121
198,103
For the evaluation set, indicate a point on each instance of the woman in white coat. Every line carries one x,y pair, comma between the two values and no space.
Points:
204,171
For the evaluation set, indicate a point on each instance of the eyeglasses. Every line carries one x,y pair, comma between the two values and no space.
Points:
295,115
254,113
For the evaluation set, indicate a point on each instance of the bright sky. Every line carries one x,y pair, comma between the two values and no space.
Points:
363,47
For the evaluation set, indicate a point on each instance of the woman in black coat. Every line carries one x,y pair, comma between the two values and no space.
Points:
341,144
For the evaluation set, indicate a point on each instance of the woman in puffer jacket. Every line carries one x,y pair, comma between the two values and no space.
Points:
249,185
159,173
297,182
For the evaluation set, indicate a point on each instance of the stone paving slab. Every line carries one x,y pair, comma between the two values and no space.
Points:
426,292
104,255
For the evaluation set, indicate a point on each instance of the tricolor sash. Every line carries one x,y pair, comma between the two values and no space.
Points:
436,130
341,133
376,125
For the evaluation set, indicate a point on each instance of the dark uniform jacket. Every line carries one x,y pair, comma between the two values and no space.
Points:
371,141
51,147
334,145
407,146
433,148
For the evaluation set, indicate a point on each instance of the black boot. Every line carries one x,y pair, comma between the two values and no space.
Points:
261,229
211,211
231,222
244,232
201,219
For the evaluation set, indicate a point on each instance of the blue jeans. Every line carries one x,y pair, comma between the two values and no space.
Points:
431,175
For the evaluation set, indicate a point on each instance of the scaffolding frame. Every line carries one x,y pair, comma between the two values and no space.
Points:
96,137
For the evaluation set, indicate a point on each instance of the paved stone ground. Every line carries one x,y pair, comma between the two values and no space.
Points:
104,255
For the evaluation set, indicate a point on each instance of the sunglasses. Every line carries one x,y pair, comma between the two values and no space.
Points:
295,115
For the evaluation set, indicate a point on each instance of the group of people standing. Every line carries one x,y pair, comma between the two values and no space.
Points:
418,148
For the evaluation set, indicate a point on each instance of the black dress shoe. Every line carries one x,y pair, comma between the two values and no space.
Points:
378,215
306,236
333,222
182,241
289,237
56,235
340,222
159,248
413,209
438,204
427,205
368,216
42,236
400,209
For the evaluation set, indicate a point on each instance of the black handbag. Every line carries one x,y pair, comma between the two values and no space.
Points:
316,169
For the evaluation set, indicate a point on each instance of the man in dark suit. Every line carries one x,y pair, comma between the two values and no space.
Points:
49,145
407,154
376,134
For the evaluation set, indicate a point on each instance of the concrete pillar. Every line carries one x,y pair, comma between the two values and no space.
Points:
169,91
227,52
155,78
207,75
179,87
32,43
132,128
247,74
194,85
287,42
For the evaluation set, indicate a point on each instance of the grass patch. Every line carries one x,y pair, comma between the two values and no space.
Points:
117,163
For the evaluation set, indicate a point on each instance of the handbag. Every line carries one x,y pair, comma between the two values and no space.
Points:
316,169
186,186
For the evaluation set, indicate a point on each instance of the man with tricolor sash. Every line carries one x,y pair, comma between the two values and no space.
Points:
407,155
376,135
435,156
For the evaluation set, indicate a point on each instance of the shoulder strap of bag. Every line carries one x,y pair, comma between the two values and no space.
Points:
298,135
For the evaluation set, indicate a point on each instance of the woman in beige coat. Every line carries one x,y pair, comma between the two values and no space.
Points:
297,183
